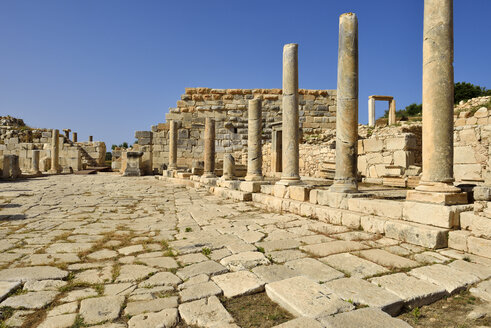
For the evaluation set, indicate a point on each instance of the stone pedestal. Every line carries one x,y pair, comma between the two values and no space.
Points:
347,107
11,168
371,112
254,142
228,167
133,164
436,185
55,152
74,136
209,158
172,145
290,134
35,163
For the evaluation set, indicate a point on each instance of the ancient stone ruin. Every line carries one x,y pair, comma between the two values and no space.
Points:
276,193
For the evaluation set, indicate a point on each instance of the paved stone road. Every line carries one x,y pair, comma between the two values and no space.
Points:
116,252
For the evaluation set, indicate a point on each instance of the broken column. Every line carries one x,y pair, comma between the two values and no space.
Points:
35,162
254,142
209,158
436,184
172,145
228,167
55,152
347,106
91,138
290,153
74,136
371,111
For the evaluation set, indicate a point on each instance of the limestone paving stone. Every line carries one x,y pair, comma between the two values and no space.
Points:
119,289
69,247
449,278
354,265
362,292
39,285
191,258
131,249
134,272
18,318
79,294
145,293
6,287
60,321
32,273
303,297
63,309
278,245
274,272
94,276
244,261
155,305
286,255
414,292
207,312
99,309
387,259
164,318
430,257
314,269
367,318
103,254
199,290
46,259
30,300
193,281
333,247
482,290
482,271
300,323
238,283
160,262
207,267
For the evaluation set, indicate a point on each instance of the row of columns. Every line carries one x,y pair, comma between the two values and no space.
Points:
437,115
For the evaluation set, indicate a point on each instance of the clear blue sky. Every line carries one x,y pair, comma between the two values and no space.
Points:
110,67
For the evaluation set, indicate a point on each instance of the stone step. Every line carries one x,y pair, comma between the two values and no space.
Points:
417,234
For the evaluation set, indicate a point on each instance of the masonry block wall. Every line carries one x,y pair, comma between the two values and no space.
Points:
229,109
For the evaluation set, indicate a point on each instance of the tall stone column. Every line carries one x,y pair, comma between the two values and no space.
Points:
392,112
371,112
91,138
290,153
35,162
228,167
55,151
74,136
254,146
347,107
436,183
172,145
209,169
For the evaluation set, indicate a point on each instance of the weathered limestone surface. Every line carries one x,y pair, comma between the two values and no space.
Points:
303,297
254,141
369,318
290,127
347,110
228,167
172,145
209,159
55,152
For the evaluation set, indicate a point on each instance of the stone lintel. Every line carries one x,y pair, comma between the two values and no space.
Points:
437,197
381,98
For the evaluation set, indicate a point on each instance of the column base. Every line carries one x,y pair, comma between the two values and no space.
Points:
443,198
254,177
344,187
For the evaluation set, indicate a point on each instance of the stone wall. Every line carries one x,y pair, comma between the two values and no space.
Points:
229,109
21,141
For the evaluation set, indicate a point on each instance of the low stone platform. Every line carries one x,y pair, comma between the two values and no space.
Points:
139,251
